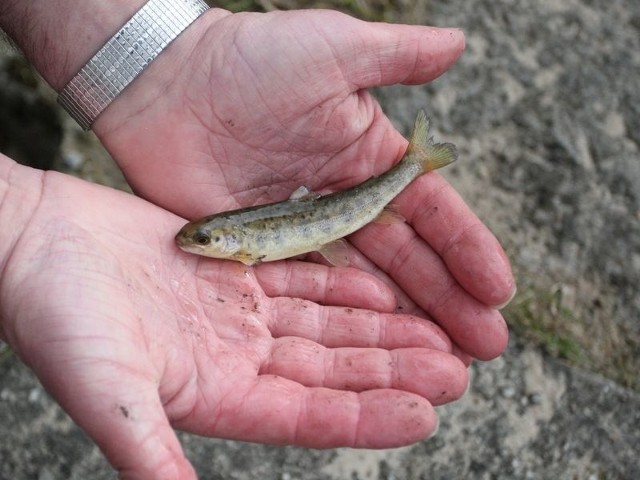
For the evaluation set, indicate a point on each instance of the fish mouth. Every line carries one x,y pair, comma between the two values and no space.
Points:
180,238
182,241
185,247
185,243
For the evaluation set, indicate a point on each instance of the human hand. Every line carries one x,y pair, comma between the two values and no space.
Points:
132,336
245,108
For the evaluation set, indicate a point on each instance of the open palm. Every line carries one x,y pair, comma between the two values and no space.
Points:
131,336
245,108
279,102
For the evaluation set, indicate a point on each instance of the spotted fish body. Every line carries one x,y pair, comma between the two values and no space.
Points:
308,222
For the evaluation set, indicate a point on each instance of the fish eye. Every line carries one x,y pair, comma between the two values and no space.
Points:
201,238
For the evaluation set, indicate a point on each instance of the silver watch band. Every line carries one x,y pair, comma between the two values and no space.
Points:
125,55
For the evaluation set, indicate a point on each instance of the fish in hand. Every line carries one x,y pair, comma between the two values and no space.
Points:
308,222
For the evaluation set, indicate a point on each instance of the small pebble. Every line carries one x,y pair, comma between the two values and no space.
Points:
34,395
508,392
7,395
45,474
73,160
535,398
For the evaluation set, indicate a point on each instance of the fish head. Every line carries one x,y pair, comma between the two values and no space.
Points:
209,241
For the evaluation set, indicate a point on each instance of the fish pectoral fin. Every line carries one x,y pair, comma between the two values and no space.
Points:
390,215
248,259
336,252
303,194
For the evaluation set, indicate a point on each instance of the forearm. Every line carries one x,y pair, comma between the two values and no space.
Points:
60,36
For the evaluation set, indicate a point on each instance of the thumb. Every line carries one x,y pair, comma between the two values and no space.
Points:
379,54
122,412
134,433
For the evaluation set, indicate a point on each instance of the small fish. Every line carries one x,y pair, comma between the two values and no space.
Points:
308,222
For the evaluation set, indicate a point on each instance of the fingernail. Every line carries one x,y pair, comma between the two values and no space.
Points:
435,430
511,297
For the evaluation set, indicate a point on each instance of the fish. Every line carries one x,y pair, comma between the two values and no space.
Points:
308,222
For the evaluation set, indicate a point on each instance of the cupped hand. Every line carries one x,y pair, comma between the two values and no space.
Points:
242,109
132,336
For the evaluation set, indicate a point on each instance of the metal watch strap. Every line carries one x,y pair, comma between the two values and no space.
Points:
125,55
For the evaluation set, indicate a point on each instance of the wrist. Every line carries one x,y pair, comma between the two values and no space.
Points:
59,36
125,55
178,62
20,191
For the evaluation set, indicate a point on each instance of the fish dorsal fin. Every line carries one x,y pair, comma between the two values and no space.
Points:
303,194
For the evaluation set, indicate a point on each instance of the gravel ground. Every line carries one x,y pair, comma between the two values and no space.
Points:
544,108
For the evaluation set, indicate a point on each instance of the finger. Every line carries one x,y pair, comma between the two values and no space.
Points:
342,327
434,375
472,253
404,305
478,329
463,356
326,285
149,449
384,54
280,411
356,259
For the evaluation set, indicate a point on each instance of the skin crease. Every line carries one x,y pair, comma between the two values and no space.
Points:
132,336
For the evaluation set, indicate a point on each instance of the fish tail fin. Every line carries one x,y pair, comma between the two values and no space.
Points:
430,155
